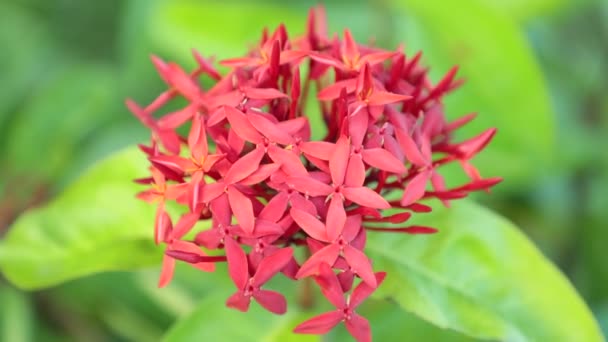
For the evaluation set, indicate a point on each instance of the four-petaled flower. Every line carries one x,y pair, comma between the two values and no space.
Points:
268,189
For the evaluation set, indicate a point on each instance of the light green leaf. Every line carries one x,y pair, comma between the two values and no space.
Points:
389,323
504,83
213,321
480,276
45,134
523,10
95,225
16,316
222,29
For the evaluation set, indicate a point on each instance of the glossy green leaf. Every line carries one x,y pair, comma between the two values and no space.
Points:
389,322
213,321
504,82
480,276
95,225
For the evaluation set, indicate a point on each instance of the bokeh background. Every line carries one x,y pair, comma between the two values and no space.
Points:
536,69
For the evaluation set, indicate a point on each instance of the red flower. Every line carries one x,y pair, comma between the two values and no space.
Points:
252,169
355,324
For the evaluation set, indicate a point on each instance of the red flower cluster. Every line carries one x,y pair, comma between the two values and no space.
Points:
268,188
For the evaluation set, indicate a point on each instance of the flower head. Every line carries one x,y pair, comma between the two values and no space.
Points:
248,164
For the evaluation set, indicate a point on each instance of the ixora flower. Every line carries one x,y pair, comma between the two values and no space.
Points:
249,165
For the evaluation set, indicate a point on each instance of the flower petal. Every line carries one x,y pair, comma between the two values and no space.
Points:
363,290
309,186
239,301
242,208
197,139
339,160
359,328
327,254
271,301
415,188
355,172
237,263
318,149
320,324
244,167
360,264
290,162
271,265
166,273
330,286
383,160
336,218
366,197
269,129
184,225
242,126
411,151
275,209
313,227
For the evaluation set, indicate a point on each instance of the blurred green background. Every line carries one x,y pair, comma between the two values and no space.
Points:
536,69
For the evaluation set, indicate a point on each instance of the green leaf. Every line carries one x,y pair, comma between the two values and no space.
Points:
524,10
16,316
95,225
504,83
482,277
25,58
222,29
213,321
46,133
388,320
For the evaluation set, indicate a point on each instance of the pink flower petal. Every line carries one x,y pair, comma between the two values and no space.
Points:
327,254
310,186
166,273
237,263
366,197
360,264
184,225
359,328
239,301
197,139
269,129
313,227
320,324
275,209
271,301
241,125
415,188
336,218
339,160
383,160
363,290
318,149
411,151
242,208
330,286
271,265
355,172
244,167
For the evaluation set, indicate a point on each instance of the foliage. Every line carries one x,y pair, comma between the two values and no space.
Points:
534,68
